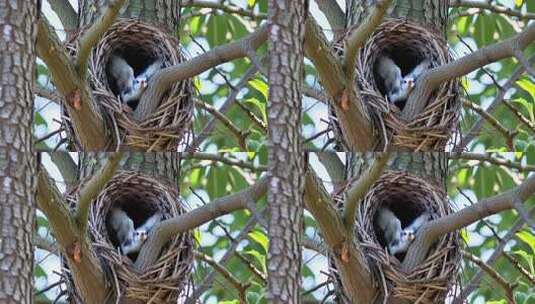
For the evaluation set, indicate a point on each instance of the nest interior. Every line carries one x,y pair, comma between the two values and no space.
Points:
408,44
141,196
408,196
140,45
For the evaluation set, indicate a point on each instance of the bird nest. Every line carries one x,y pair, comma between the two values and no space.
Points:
139,196
140,45
408,44
408,196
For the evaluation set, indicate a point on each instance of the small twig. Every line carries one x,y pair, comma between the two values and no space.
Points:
494,274
222,159
487,157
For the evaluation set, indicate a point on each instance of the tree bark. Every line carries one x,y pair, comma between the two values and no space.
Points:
17,167
286,167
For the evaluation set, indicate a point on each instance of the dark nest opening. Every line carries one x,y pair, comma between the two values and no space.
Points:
140,45
140,197
407,44
408,197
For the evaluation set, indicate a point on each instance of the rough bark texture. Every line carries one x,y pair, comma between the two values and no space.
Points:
165,165
17,168
286,167
432,13
161,13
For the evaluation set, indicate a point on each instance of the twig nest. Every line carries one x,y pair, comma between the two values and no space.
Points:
407,44
408,196
140,45
140,197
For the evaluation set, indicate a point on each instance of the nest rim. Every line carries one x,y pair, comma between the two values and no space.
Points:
168,126
431,279
170,276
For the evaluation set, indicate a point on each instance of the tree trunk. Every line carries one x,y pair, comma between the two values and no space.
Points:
17,167
286,166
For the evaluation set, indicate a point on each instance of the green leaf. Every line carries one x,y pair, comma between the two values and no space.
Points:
527,85
39,120
261,258
528,238
261,86
216,30
260,238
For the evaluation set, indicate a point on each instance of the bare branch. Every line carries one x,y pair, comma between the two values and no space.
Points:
470,135
486,157
165,230
220,158
494,274
334,166
92,36
93,187
361,187
496,8
227,8
160,82
240,135
434,77
432,230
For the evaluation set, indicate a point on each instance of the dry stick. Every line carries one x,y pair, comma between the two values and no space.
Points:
490,109
165,230
432,230
486,157
528,123
223,109
508,134
496,8
242,288
434,77
476,279
240,135
166,77
508,288
222,159
227,8
209,279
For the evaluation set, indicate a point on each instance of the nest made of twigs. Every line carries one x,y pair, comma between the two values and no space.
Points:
408,44
140,196
408,196
140,45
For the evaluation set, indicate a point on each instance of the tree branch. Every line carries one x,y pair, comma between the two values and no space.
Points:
486,157
348,257
494,274
87,273
334,166
360,35
92,36
165,230
434,77
334,14
66,13
160,82
219,157
66,166
496,8
93,187
361,187
88,124
350,113
432,230
227,8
